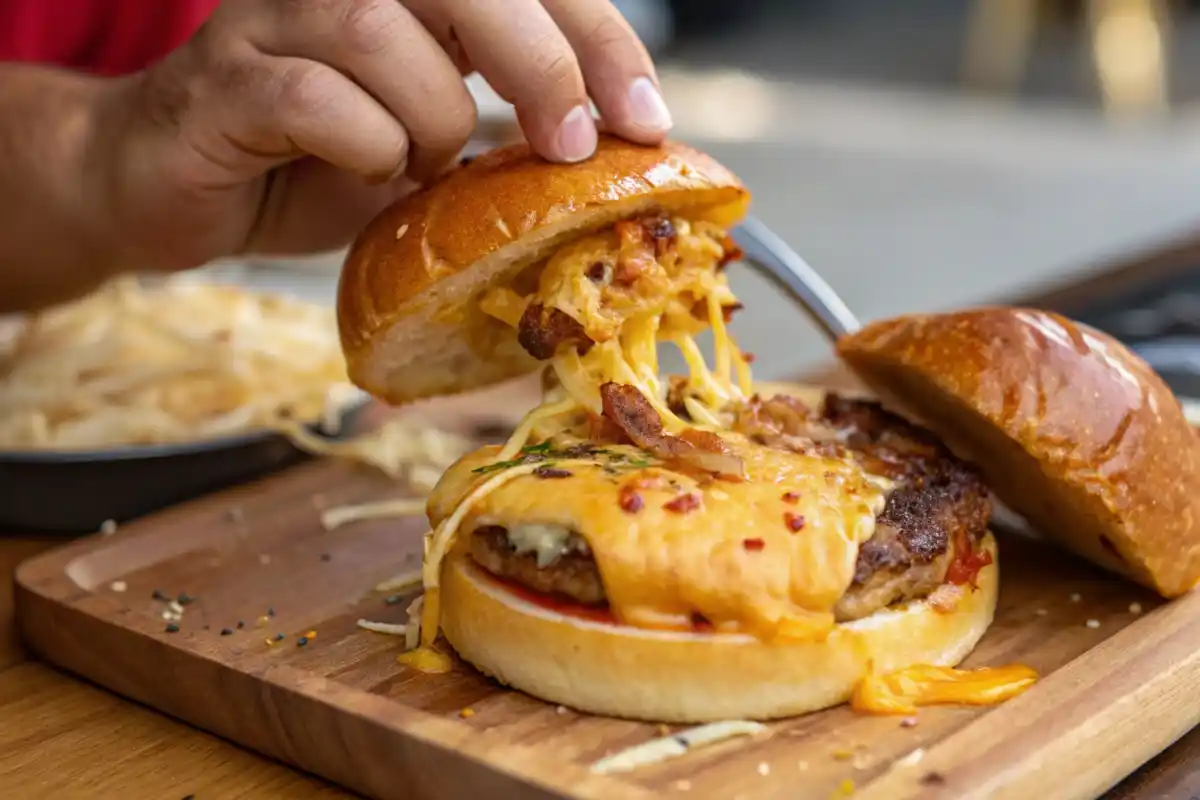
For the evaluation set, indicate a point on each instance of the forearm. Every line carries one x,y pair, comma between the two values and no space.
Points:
52,241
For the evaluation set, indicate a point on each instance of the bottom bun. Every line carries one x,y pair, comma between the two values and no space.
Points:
665,676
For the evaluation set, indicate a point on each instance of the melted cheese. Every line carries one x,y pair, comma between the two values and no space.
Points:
733,559
901,692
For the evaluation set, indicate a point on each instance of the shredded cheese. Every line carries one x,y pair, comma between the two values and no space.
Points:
384,509
721,344
521,435
390,628
662,749
401,582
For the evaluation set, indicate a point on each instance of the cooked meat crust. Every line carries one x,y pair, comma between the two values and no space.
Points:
938,510
573,575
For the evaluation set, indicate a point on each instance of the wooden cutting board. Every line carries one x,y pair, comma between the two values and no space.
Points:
1120,667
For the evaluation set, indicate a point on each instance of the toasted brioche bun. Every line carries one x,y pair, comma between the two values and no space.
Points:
621,671
1070,428
409,286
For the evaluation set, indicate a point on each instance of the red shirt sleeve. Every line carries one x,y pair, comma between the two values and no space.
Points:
103,37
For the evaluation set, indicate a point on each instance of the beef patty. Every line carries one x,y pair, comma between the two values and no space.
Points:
938,509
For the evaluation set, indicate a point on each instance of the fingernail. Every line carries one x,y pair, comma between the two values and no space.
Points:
647,106
576,138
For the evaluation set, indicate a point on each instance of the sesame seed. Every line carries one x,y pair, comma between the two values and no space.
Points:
172,627
560,710
467,713
664,730
764,769
1093,623
108,527
403,229
269,642
175,607
1135,608
1076,597
118,586
263,620
227,631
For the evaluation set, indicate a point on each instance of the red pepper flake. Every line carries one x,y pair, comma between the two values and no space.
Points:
684,503
791,498
630,500
753,545
701,623
794,522
749,358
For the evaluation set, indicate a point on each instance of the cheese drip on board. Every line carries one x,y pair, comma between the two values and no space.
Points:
902,691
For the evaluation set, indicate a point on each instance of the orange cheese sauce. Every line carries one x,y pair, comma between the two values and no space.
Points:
593,279
730,552
901,692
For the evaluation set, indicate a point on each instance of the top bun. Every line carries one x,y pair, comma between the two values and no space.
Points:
409,286
1070,428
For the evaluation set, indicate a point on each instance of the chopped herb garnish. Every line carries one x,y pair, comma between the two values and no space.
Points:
172,627
393,599
303,640
279,637
639,462
270,612
158,595
185,599
241,623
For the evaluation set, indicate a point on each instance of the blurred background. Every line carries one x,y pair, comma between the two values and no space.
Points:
925,154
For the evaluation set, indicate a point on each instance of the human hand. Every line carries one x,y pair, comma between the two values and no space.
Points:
283,126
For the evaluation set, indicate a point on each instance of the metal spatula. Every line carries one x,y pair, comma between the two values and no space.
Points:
771,257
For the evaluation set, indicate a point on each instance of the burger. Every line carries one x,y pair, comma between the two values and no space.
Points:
675,548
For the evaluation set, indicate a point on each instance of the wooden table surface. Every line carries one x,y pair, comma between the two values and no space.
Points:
66,739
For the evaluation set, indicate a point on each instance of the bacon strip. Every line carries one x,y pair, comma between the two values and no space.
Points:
782,421
629,409
542,330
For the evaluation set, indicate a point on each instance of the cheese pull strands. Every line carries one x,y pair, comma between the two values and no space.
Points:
656,751
901,692
521,435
